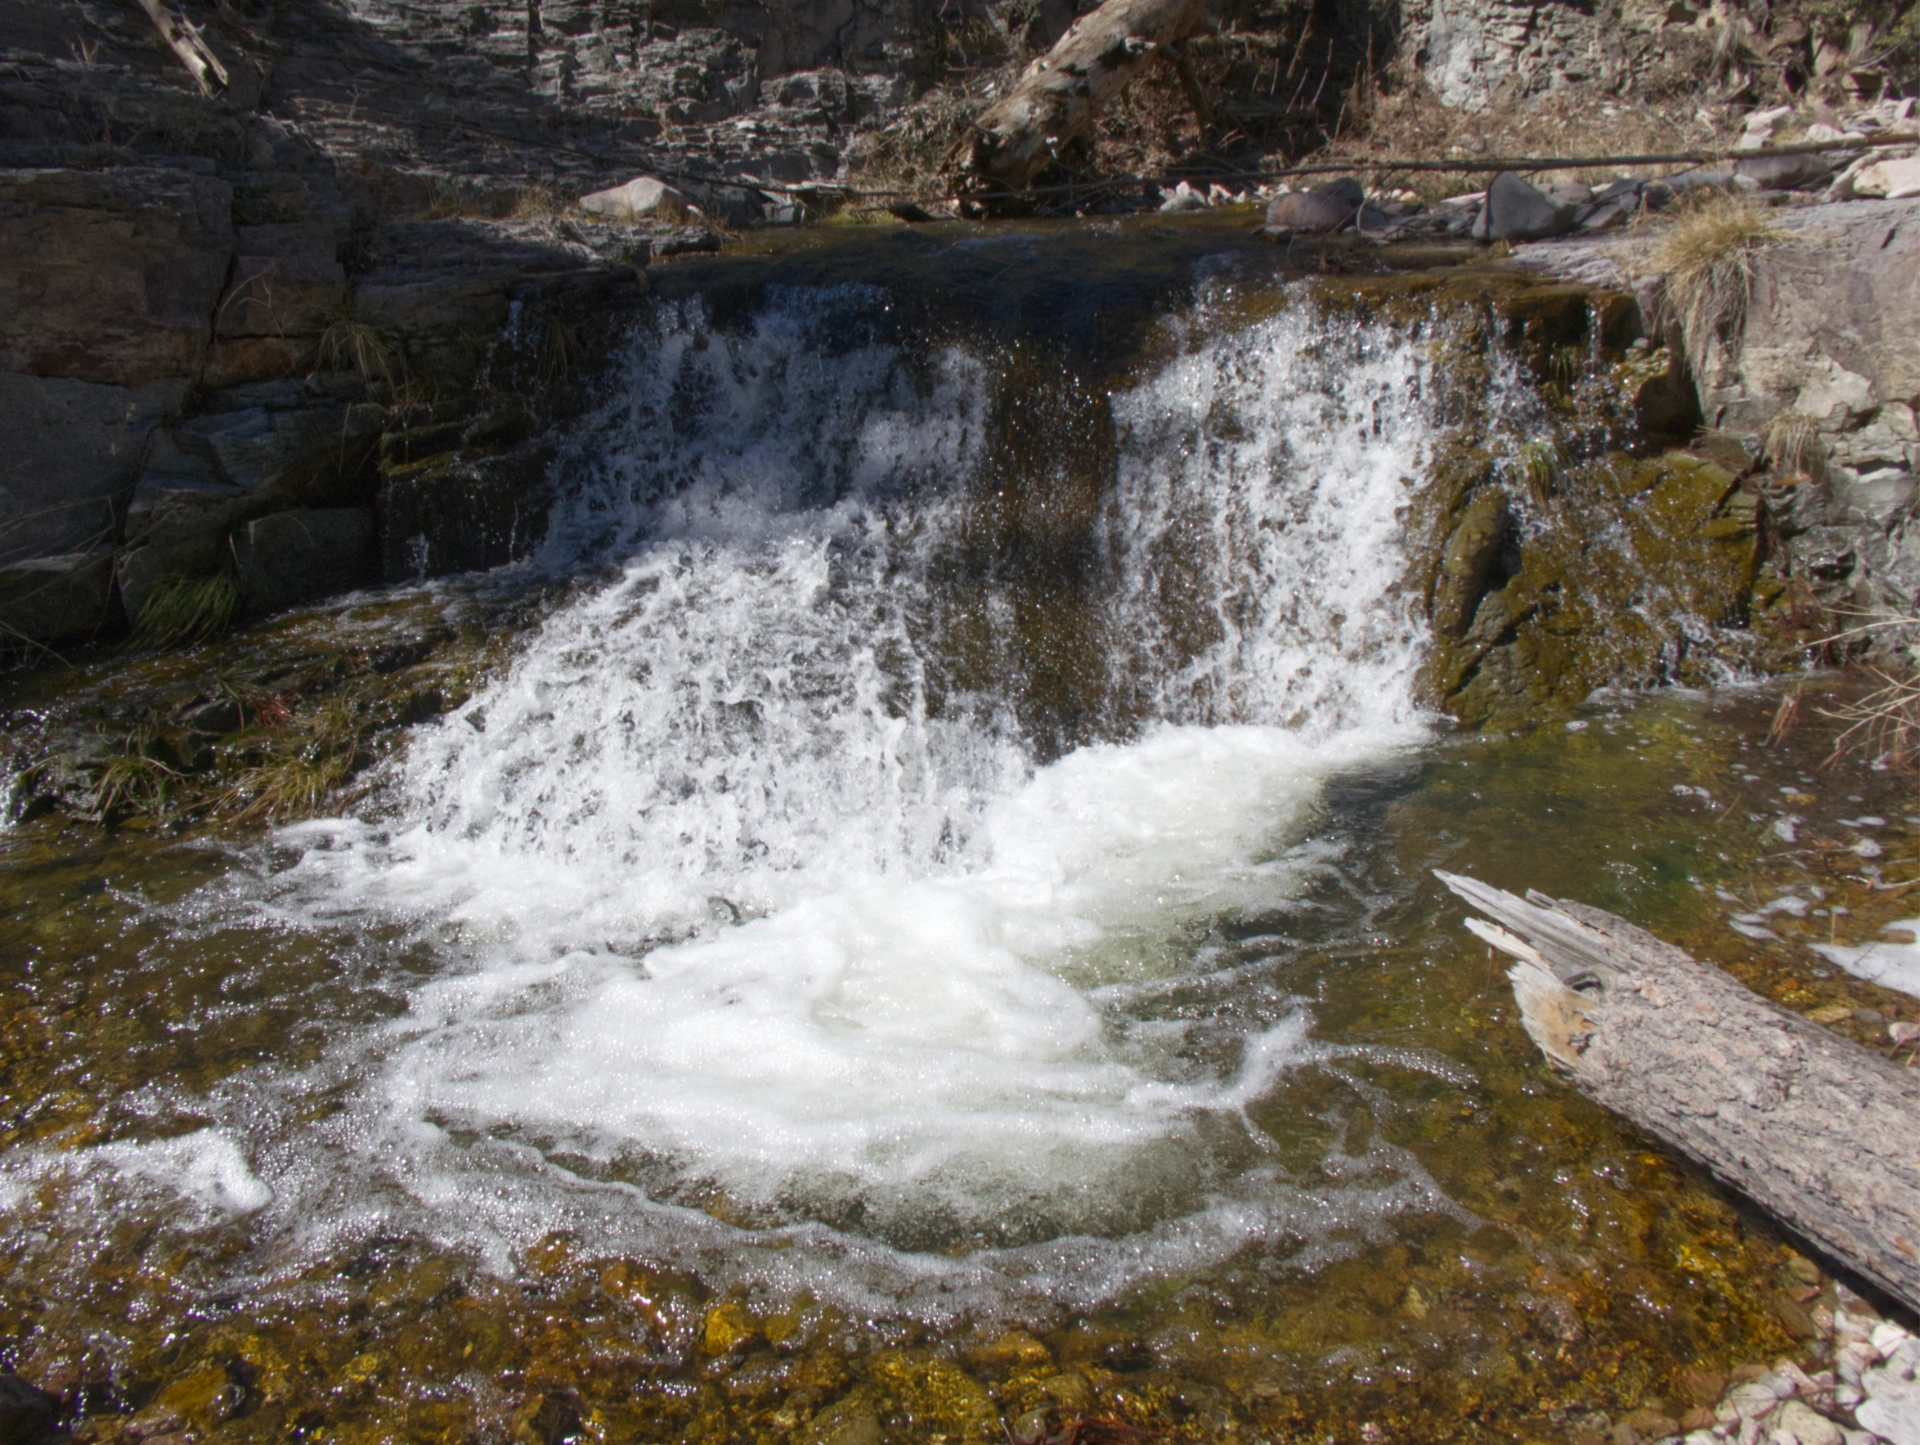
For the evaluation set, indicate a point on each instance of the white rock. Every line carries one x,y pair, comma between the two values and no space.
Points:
1896,1421
1821,134
641,199
1781,1385
1806,1426
1888,1337
1896,179
1750,1401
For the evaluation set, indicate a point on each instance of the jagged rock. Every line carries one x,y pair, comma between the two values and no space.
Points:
292,557
1604,216
1518,211
640,199
1467,560
48,599
177,523
72,452
111,276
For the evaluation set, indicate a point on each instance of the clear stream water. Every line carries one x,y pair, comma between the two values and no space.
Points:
892,896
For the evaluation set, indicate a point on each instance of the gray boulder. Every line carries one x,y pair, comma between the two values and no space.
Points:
1325,208
293,557
1784,173
1518,211
640,199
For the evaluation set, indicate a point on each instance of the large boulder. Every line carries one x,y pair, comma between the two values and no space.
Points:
73,451
1517,211
640,199
111,276
1896,179
1325,208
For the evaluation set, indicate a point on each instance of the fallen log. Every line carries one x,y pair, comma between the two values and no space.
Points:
1060,95
1814,1129
185,40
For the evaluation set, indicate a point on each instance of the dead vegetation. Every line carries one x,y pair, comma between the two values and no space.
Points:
351,342
1705,259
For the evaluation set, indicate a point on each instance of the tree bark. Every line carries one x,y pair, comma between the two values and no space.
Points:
1817,1131
184,39
1061,94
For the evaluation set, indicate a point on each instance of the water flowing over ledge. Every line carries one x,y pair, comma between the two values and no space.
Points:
751,894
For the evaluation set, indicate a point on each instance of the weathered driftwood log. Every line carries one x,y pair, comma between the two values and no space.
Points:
184,39
1061,93
1817,1131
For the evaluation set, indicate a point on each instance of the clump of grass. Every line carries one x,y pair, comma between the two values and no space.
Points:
1885,723
315,757
541,201
183,609
132,780
1706,259
350,342
1791,444
1536,466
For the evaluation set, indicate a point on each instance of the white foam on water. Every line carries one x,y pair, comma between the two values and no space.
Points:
725,907
205,1172
1889,964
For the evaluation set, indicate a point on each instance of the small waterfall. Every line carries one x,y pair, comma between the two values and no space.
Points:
803,900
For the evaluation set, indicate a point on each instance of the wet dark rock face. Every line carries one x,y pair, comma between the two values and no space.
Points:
208,319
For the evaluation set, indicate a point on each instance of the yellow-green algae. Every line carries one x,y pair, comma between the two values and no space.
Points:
1593,1270
1589,1272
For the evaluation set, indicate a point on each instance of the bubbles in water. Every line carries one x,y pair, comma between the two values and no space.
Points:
739,907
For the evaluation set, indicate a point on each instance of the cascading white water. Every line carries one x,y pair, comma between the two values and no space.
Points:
731,917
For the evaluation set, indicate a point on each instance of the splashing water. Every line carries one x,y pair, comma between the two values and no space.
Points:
740,908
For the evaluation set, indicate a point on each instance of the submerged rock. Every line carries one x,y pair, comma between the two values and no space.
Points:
25,1413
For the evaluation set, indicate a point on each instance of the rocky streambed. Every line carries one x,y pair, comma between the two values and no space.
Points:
1038,633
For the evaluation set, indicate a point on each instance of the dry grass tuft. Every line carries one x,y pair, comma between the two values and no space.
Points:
350,342
1884,724
1705,258
1791,445
308,758
541,201
183,609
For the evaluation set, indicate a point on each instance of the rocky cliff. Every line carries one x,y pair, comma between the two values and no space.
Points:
347,291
